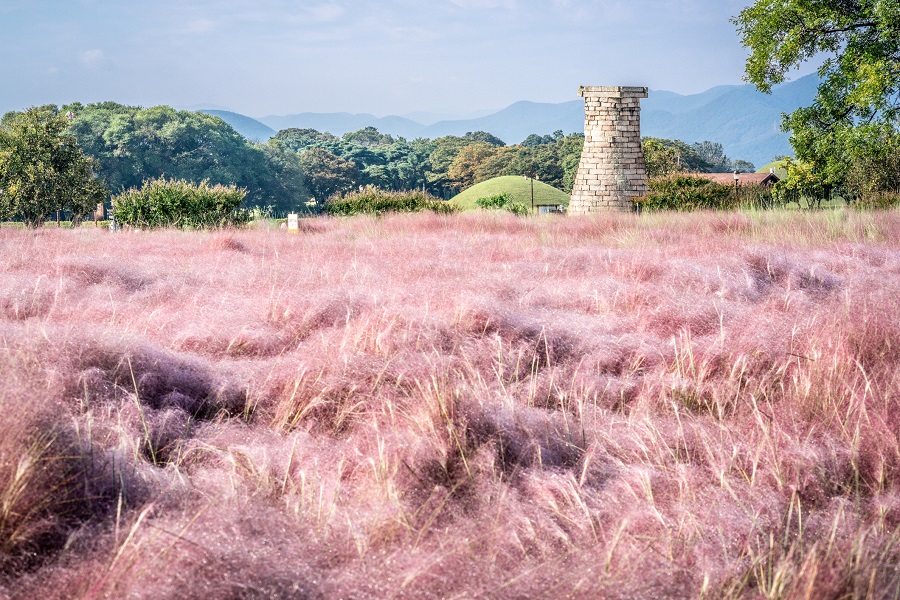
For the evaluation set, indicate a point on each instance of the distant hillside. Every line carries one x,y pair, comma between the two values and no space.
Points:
248,127
341,123
745,121
517,121
518,188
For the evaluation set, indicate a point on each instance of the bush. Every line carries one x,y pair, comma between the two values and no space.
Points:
375,201
874,168
882,201
495,202
753,196
686,193
803,182
178,203
502,201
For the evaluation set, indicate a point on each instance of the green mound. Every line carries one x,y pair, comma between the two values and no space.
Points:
778,165
518,188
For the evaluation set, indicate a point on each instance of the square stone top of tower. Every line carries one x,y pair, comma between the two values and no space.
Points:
615,91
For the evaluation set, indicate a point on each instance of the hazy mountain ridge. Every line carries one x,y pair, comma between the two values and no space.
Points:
745,121
248,127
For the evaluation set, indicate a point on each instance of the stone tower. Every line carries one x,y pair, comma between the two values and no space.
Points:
612,170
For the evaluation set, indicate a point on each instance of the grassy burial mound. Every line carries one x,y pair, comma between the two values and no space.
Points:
780,167
474,406
516,187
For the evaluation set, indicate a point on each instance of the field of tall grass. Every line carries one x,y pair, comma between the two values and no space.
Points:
475,405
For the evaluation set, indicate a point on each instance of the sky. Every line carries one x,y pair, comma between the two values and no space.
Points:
277,57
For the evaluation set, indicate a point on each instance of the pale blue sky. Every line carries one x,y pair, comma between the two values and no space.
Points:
388,57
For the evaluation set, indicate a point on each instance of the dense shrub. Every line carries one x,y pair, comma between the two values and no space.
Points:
178,203
495,202
502,201
372,200
883,201
803,185
874,169
686,193
754,196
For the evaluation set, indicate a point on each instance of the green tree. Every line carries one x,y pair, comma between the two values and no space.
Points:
570,149
802,183
661,159
132,145
744,166
542,161
713,154
875,170
382,161
537,140
858,99
442,156
5,206
42,169
86,192
327,174
400,166
665,157
299,140
284,180
462,171
413,167
497,164
484,137
368,136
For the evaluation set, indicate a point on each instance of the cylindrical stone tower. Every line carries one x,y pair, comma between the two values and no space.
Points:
612,170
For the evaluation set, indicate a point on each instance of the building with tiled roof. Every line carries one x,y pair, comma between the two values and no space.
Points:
760,179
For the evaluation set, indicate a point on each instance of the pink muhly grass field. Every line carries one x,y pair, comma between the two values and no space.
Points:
681,406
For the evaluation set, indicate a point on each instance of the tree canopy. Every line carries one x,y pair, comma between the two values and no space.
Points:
856,111
328,174
132,145
42,169
484,136
299,140
666,157
452,163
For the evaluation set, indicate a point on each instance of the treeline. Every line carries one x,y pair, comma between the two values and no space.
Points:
450,164
131,145
667,157
301,168
441,167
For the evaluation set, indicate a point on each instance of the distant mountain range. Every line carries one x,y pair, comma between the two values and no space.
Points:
745,121
248,127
